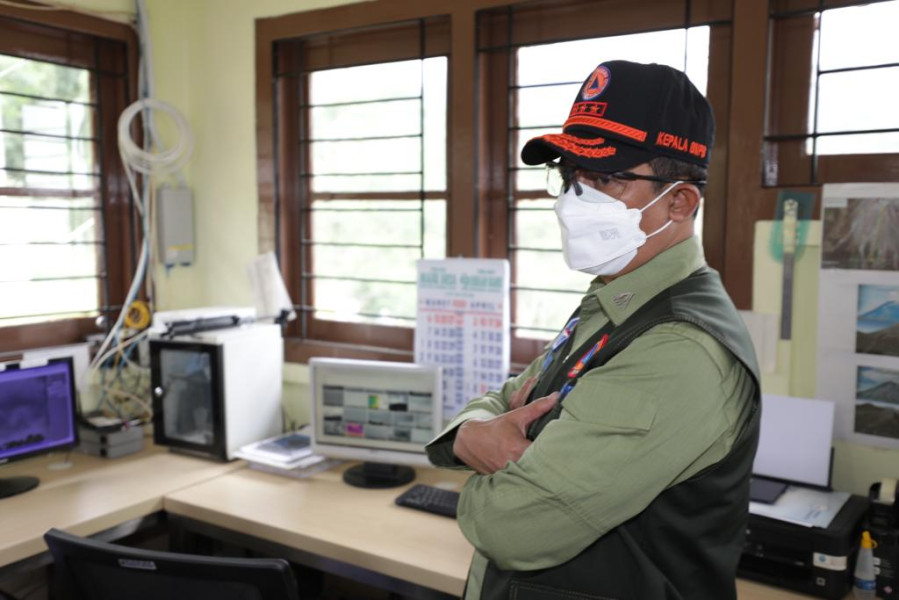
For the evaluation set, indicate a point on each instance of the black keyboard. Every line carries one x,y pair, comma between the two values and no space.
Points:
430,499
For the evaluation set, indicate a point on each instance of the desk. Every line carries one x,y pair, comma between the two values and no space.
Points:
352,528
359,533
93,496
320,521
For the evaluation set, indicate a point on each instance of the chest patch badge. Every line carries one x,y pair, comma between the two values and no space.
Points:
623,299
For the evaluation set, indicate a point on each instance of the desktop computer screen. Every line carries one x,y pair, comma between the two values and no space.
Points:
382,413
37,414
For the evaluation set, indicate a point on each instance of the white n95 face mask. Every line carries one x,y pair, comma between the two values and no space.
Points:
600,235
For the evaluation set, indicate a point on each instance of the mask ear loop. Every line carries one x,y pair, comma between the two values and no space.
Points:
656,199
659,197
660,229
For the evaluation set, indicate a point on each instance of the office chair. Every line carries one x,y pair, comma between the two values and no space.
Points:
87,569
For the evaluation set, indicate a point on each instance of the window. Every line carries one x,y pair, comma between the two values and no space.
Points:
831,114
857,80
338,164
377,185
65,219
51,253
363,188
532,70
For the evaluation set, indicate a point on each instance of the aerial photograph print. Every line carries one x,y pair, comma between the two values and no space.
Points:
877,324
877,402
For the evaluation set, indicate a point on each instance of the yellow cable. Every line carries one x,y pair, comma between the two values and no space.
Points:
138,315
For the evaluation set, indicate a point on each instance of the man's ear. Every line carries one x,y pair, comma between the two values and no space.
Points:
684,203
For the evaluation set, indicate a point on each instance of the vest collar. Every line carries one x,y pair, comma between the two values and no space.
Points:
626,294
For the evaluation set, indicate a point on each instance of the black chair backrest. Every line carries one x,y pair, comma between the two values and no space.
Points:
88,569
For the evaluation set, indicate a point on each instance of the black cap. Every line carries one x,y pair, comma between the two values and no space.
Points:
626,114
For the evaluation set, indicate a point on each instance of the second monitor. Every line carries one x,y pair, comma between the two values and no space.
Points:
382,413
37,414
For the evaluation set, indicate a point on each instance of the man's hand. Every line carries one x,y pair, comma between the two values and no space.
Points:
520,396
486,445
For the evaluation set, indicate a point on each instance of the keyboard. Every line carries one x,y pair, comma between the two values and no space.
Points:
430,499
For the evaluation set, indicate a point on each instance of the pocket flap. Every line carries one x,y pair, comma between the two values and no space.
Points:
627,411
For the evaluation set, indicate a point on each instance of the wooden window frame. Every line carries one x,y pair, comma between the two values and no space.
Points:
280,202
110,50
793,28
503,31
475,203
294,61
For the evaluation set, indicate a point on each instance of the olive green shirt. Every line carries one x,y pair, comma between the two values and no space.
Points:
669,405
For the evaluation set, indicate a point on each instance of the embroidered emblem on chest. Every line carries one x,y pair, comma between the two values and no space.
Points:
623,299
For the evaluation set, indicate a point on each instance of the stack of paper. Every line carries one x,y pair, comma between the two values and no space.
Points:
803,506
286,454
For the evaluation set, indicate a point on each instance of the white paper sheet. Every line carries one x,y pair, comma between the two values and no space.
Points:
795,439
270,295
803,506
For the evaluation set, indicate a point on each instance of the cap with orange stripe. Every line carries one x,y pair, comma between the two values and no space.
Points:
626,114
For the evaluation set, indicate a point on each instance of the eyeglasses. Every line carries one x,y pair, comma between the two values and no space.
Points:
560,177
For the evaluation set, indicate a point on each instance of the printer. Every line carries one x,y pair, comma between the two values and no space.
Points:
811,560
782,547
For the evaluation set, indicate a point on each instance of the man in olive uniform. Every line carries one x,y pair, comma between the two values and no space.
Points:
617,464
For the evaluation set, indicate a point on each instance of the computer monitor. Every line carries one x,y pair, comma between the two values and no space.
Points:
788,454
37,414
382,413
795,454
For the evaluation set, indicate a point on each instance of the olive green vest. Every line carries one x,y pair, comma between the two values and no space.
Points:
687,542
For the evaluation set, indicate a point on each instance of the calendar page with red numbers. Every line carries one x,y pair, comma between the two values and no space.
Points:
463,326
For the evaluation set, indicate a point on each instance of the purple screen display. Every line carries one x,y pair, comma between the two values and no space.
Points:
35,409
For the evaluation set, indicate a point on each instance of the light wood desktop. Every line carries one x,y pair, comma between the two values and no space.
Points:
359,527
93,495
319,517
325,516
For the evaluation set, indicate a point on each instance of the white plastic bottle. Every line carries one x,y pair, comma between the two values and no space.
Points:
864,586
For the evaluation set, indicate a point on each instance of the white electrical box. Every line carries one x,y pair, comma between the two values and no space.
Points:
175,226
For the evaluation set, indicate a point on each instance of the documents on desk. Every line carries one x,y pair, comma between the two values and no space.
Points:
803,506
306,468
288,454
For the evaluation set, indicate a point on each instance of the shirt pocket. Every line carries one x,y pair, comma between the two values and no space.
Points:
618,410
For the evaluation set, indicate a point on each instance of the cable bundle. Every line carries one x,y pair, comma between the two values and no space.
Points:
153,160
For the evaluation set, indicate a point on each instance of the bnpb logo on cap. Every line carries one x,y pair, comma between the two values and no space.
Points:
597,83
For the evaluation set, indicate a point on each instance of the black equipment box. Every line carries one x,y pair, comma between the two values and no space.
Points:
809,560
884,523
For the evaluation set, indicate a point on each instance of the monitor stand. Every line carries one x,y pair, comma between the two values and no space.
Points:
11,486
378,475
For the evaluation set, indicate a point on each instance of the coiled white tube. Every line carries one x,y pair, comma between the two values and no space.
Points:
164,161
